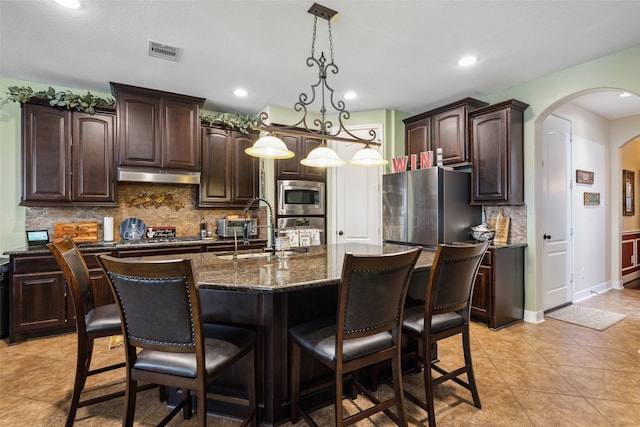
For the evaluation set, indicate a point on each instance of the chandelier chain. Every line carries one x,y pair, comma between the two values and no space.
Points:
330,42
313,39
324,130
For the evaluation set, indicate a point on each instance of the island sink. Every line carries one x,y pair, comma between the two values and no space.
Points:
246,255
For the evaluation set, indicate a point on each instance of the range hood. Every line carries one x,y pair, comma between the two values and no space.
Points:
157,175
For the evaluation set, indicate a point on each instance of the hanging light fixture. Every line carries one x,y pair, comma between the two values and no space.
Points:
368,157
271,146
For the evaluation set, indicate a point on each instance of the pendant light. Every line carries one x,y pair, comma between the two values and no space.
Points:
368,157
269,147
321,156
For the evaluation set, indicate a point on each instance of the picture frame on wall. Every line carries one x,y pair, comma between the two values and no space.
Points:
591,199
584,177
628,189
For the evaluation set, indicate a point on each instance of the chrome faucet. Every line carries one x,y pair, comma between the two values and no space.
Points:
235,242
245,228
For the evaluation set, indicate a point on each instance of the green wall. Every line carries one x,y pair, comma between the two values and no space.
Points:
620,70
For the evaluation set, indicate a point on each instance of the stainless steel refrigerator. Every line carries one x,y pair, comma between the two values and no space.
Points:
428,206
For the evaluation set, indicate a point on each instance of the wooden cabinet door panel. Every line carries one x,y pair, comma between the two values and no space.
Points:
290,168
489,157
245,172
139,130
46,154
93,157
38,301
215,183
449,133
100,286
308,172
628,255
181,135
418,137
229,175
496,133
481,299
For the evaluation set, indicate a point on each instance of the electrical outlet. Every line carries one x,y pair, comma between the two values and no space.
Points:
582,273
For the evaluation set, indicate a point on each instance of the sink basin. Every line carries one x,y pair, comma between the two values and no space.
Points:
246,255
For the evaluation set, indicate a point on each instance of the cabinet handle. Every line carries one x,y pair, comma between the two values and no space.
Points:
340,233
546,236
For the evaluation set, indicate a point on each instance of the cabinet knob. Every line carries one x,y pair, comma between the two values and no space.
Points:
340,233
546,236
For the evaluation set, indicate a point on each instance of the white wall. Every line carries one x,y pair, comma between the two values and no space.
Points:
590,150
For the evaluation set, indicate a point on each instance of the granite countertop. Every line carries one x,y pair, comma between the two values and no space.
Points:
124,245
259,272
498,245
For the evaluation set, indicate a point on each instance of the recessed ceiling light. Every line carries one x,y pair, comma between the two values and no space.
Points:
71,4
624,94
240,92
350,94
465,61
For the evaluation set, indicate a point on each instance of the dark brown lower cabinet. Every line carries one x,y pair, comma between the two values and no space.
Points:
40,303
498,294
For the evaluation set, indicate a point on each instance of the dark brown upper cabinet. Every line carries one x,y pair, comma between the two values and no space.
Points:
157,129
67,156
497,135
229,176
444,127
292,168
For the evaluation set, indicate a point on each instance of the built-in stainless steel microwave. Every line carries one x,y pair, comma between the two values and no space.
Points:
301,198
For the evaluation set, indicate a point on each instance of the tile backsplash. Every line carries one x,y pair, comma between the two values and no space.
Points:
186,219
517,223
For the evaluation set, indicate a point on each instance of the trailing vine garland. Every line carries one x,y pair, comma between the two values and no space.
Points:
87,103
243,123
66,99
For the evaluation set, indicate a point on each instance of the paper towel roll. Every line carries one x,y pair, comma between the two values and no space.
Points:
108,229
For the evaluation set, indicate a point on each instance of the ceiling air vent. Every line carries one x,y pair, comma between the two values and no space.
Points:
163,51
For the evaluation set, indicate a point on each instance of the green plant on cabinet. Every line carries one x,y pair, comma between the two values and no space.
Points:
66,99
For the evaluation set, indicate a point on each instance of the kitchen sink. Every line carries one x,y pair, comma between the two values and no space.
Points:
246,255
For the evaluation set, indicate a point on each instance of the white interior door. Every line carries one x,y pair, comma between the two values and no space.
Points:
556,211
358,196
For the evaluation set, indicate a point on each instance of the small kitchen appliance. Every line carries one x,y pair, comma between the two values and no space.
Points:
226,227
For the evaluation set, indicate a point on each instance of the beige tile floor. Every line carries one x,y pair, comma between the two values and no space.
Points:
547,374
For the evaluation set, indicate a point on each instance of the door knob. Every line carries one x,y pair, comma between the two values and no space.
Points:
340,233
546,236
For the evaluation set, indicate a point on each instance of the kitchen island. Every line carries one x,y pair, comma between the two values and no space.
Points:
271,293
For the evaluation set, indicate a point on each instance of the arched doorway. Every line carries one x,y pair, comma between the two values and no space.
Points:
595,238
630,221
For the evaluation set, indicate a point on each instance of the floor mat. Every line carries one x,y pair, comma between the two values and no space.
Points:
586,316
